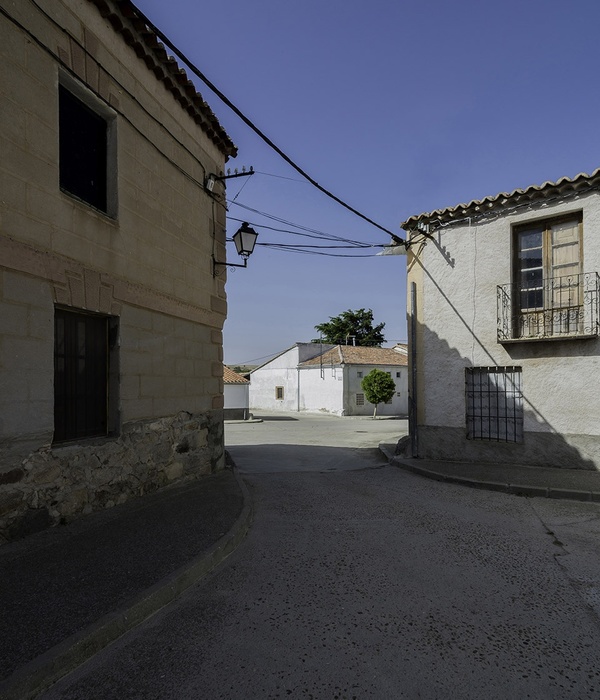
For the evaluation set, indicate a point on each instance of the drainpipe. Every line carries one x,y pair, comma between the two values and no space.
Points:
412,407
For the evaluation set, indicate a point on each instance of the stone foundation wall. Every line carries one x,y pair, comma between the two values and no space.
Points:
541,449
58,484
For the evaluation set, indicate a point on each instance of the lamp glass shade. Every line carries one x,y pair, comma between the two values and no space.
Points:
244,239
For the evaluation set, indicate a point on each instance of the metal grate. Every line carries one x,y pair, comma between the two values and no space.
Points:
494,403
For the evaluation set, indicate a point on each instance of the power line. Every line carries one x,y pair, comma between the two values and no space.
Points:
316,232
315,252
324,237
252,126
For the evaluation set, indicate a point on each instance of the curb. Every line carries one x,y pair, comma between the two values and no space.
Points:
36,676
525,490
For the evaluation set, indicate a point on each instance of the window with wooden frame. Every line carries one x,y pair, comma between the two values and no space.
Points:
279,393
548,277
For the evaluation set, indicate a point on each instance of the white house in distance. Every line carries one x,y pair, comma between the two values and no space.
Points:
236,395
504,321
327,379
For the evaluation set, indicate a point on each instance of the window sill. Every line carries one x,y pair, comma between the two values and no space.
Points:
106,215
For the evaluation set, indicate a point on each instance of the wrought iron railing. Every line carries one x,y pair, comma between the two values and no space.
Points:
557,307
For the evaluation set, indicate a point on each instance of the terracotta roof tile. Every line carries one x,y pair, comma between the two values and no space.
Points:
231,377
564,187
125,19
351,355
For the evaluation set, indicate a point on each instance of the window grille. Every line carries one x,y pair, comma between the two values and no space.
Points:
360,399
494,403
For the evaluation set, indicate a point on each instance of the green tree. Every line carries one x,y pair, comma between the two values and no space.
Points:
352,328
379,387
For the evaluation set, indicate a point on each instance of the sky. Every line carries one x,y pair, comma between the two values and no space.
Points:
398,107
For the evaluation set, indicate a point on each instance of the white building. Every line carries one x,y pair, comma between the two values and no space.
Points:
327,378
503,300
236,395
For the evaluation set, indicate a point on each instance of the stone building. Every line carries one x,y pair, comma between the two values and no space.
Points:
111,375
504,311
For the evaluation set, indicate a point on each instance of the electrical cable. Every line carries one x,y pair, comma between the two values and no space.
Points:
289,223
354,244
196,71
314,252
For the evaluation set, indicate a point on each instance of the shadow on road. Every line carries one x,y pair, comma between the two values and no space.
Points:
302,458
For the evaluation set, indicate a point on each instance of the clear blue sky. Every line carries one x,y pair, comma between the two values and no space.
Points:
396,106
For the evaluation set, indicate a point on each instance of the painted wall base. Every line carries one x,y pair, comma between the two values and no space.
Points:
537,449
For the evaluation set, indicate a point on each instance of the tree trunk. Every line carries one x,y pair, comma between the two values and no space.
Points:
375,411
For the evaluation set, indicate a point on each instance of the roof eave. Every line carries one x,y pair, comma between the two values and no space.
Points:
125,21
475,209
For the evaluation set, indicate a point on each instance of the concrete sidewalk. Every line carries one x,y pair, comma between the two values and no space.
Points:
69,591
548,482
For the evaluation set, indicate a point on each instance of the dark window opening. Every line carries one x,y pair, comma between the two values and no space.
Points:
83,136
81,375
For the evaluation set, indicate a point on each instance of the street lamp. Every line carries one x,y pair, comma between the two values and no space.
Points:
245,240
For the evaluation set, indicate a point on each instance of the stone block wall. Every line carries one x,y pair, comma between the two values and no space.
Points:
146,263
58,484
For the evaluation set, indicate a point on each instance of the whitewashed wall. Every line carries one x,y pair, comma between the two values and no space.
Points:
236,401
322,392
399,405
281,371
457,329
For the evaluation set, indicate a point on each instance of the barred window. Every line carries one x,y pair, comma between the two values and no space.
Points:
360,399
494,403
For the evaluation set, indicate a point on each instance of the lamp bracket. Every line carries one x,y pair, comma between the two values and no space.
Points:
217,273
211,179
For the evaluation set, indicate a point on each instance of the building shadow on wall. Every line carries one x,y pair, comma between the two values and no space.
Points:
541,444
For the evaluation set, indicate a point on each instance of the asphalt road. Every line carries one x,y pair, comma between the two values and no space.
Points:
359,580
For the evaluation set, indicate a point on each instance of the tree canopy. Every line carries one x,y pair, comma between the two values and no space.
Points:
379,387
352,328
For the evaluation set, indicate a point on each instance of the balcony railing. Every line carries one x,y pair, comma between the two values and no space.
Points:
557,307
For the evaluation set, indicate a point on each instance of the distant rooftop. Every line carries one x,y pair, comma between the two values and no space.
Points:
359,355
231,377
